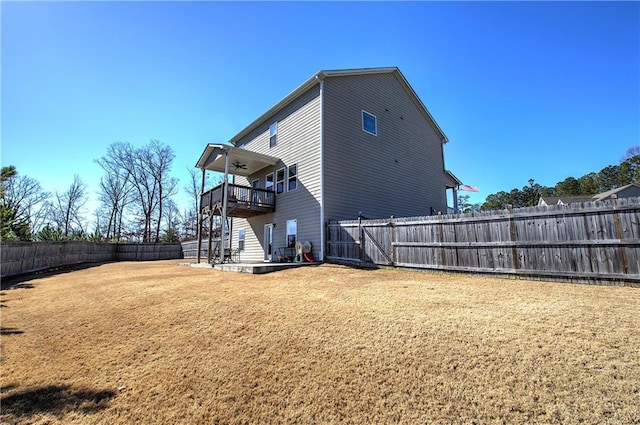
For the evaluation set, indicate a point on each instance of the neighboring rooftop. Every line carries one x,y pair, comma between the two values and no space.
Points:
630,190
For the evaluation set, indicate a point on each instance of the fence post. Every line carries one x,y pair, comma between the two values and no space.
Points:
514,238
394,258
361,240
619,235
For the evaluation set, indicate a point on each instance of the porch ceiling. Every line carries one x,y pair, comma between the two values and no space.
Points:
241,162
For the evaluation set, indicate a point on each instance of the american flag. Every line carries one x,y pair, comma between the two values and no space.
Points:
468,188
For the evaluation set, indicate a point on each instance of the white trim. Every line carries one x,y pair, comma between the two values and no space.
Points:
375,122
322,229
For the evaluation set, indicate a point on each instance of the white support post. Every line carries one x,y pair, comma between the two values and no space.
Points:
200,217
225,198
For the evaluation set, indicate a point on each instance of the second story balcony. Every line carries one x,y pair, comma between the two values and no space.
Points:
242,201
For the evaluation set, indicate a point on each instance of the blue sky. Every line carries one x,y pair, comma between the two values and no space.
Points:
542,90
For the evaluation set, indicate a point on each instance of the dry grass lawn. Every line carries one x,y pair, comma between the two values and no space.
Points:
156,343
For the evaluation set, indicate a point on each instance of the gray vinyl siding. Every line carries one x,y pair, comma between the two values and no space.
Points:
298,143
399,172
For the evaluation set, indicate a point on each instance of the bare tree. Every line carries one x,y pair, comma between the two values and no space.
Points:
161,158
22,205
172,221
115,194
630,153
138,178
66,210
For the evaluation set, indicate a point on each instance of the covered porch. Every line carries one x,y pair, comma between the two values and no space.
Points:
230,199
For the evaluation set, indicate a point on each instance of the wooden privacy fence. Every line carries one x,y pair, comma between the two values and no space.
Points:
190,248
27,257
595,242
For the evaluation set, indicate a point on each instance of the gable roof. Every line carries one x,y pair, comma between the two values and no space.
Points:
555,200
321,75
608,193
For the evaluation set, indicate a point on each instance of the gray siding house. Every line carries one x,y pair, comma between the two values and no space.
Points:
345,143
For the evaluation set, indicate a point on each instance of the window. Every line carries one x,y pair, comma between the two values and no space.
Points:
269,182
255,184
369,123
292,233
292,178
273,134
241,237
280,180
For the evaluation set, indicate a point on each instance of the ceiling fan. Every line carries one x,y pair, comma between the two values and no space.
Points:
239,165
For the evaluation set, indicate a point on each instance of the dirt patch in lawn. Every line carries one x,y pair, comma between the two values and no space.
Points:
158,343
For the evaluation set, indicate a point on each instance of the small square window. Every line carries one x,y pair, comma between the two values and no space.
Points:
273,134
369,123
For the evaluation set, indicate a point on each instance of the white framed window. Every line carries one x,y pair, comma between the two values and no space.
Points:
369,123
273,134
292,177
241,238
268,184
292,232
280,180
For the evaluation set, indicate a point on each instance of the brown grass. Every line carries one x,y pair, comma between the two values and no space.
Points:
158,343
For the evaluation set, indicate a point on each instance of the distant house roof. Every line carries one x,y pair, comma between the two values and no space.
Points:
563,200
566,200
608,193
321,75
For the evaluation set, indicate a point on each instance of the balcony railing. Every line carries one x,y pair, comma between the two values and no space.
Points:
243,201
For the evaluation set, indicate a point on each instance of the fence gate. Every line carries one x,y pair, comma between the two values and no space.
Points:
365,243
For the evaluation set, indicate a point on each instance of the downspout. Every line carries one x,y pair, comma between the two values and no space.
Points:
225,197
322,223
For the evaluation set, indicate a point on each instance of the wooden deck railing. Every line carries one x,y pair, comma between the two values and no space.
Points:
243,201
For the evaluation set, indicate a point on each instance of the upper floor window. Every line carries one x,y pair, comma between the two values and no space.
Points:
369,123
280,180
268,184
273,134
255,184
292,178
